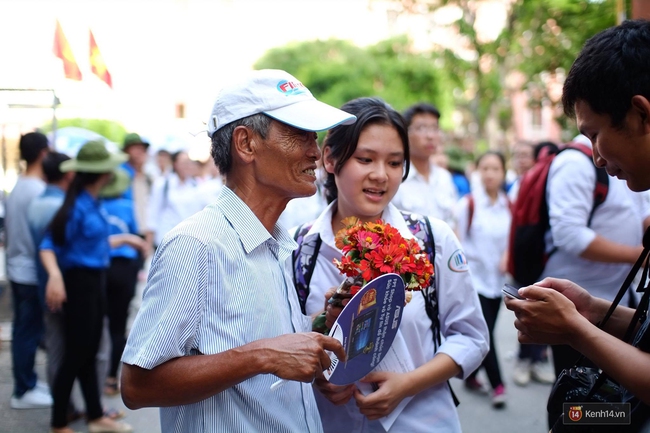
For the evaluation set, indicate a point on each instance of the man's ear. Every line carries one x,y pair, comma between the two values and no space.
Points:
641,107
328,162
243,144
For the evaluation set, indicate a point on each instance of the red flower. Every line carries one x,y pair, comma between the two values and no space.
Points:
376,248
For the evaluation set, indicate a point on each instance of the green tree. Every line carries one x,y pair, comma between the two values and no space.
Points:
337,71
540,39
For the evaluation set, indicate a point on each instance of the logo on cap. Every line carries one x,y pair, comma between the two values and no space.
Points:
291,87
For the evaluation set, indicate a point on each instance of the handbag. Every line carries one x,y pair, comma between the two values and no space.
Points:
582,384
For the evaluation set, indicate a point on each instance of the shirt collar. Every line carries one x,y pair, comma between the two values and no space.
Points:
481,196
249,228
415,174
86,199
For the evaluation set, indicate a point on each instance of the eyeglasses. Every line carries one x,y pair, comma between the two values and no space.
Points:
424,129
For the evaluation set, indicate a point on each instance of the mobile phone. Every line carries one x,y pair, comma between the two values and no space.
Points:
511,291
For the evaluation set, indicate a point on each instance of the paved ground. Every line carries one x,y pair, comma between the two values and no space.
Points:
525,411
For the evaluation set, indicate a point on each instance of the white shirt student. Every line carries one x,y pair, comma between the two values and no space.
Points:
462,327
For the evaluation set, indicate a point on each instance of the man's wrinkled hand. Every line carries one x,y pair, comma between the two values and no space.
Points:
302,356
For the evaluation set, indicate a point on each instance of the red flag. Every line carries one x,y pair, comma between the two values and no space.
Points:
63,51
97,64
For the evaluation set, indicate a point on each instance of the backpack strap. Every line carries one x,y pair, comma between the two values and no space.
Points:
602,179
601,189
303,262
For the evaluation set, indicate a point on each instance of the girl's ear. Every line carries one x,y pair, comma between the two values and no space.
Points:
328,162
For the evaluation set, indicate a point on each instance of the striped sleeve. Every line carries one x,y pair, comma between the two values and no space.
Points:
166,326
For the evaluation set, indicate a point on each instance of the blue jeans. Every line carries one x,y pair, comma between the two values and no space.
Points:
26,335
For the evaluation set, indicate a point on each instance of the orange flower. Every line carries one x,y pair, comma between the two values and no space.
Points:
375,248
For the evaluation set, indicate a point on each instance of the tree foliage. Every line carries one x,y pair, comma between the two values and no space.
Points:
337,71
540,39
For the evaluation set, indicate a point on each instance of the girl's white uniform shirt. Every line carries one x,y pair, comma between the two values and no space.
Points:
465,337
486,241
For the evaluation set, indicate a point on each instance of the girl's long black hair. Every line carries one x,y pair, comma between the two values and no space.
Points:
60,220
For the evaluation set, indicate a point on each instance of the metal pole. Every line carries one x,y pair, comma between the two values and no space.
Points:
55,102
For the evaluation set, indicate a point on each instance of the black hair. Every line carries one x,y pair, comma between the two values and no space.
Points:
420,108
60,220
611,68
548,147
501,158
31,145
222,139
175,155
496,153
51,166
343,139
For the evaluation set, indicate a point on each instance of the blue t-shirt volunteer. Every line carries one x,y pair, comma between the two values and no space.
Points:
86,236
121,220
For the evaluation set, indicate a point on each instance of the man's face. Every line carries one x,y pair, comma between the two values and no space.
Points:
137,155
424,136
523,158
286,161
624,152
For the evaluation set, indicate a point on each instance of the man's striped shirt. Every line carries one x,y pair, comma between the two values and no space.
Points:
218,281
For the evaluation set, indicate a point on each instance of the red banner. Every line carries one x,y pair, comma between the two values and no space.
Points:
63,51
97,64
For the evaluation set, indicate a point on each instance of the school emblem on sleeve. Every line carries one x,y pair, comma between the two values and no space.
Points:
458,262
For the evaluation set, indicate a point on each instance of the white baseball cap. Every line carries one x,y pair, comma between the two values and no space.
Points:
278,95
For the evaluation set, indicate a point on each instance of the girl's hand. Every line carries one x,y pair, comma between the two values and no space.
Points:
338,395
55,294
391,392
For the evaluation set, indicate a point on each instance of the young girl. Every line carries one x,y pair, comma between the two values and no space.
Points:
75,254
483,224
366,163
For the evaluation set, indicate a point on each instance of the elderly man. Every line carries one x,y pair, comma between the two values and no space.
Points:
616,118
220,321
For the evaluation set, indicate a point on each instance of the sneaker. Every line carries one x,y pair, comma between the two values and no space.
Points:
42,387
32,399
473,384
539,372
521,375
499,397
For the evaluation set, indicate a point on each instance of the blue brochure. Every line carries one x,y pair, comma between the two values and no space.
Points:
366,328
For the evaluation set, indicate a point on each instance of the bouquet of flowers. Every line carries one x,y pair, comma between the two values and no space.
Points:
373,249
